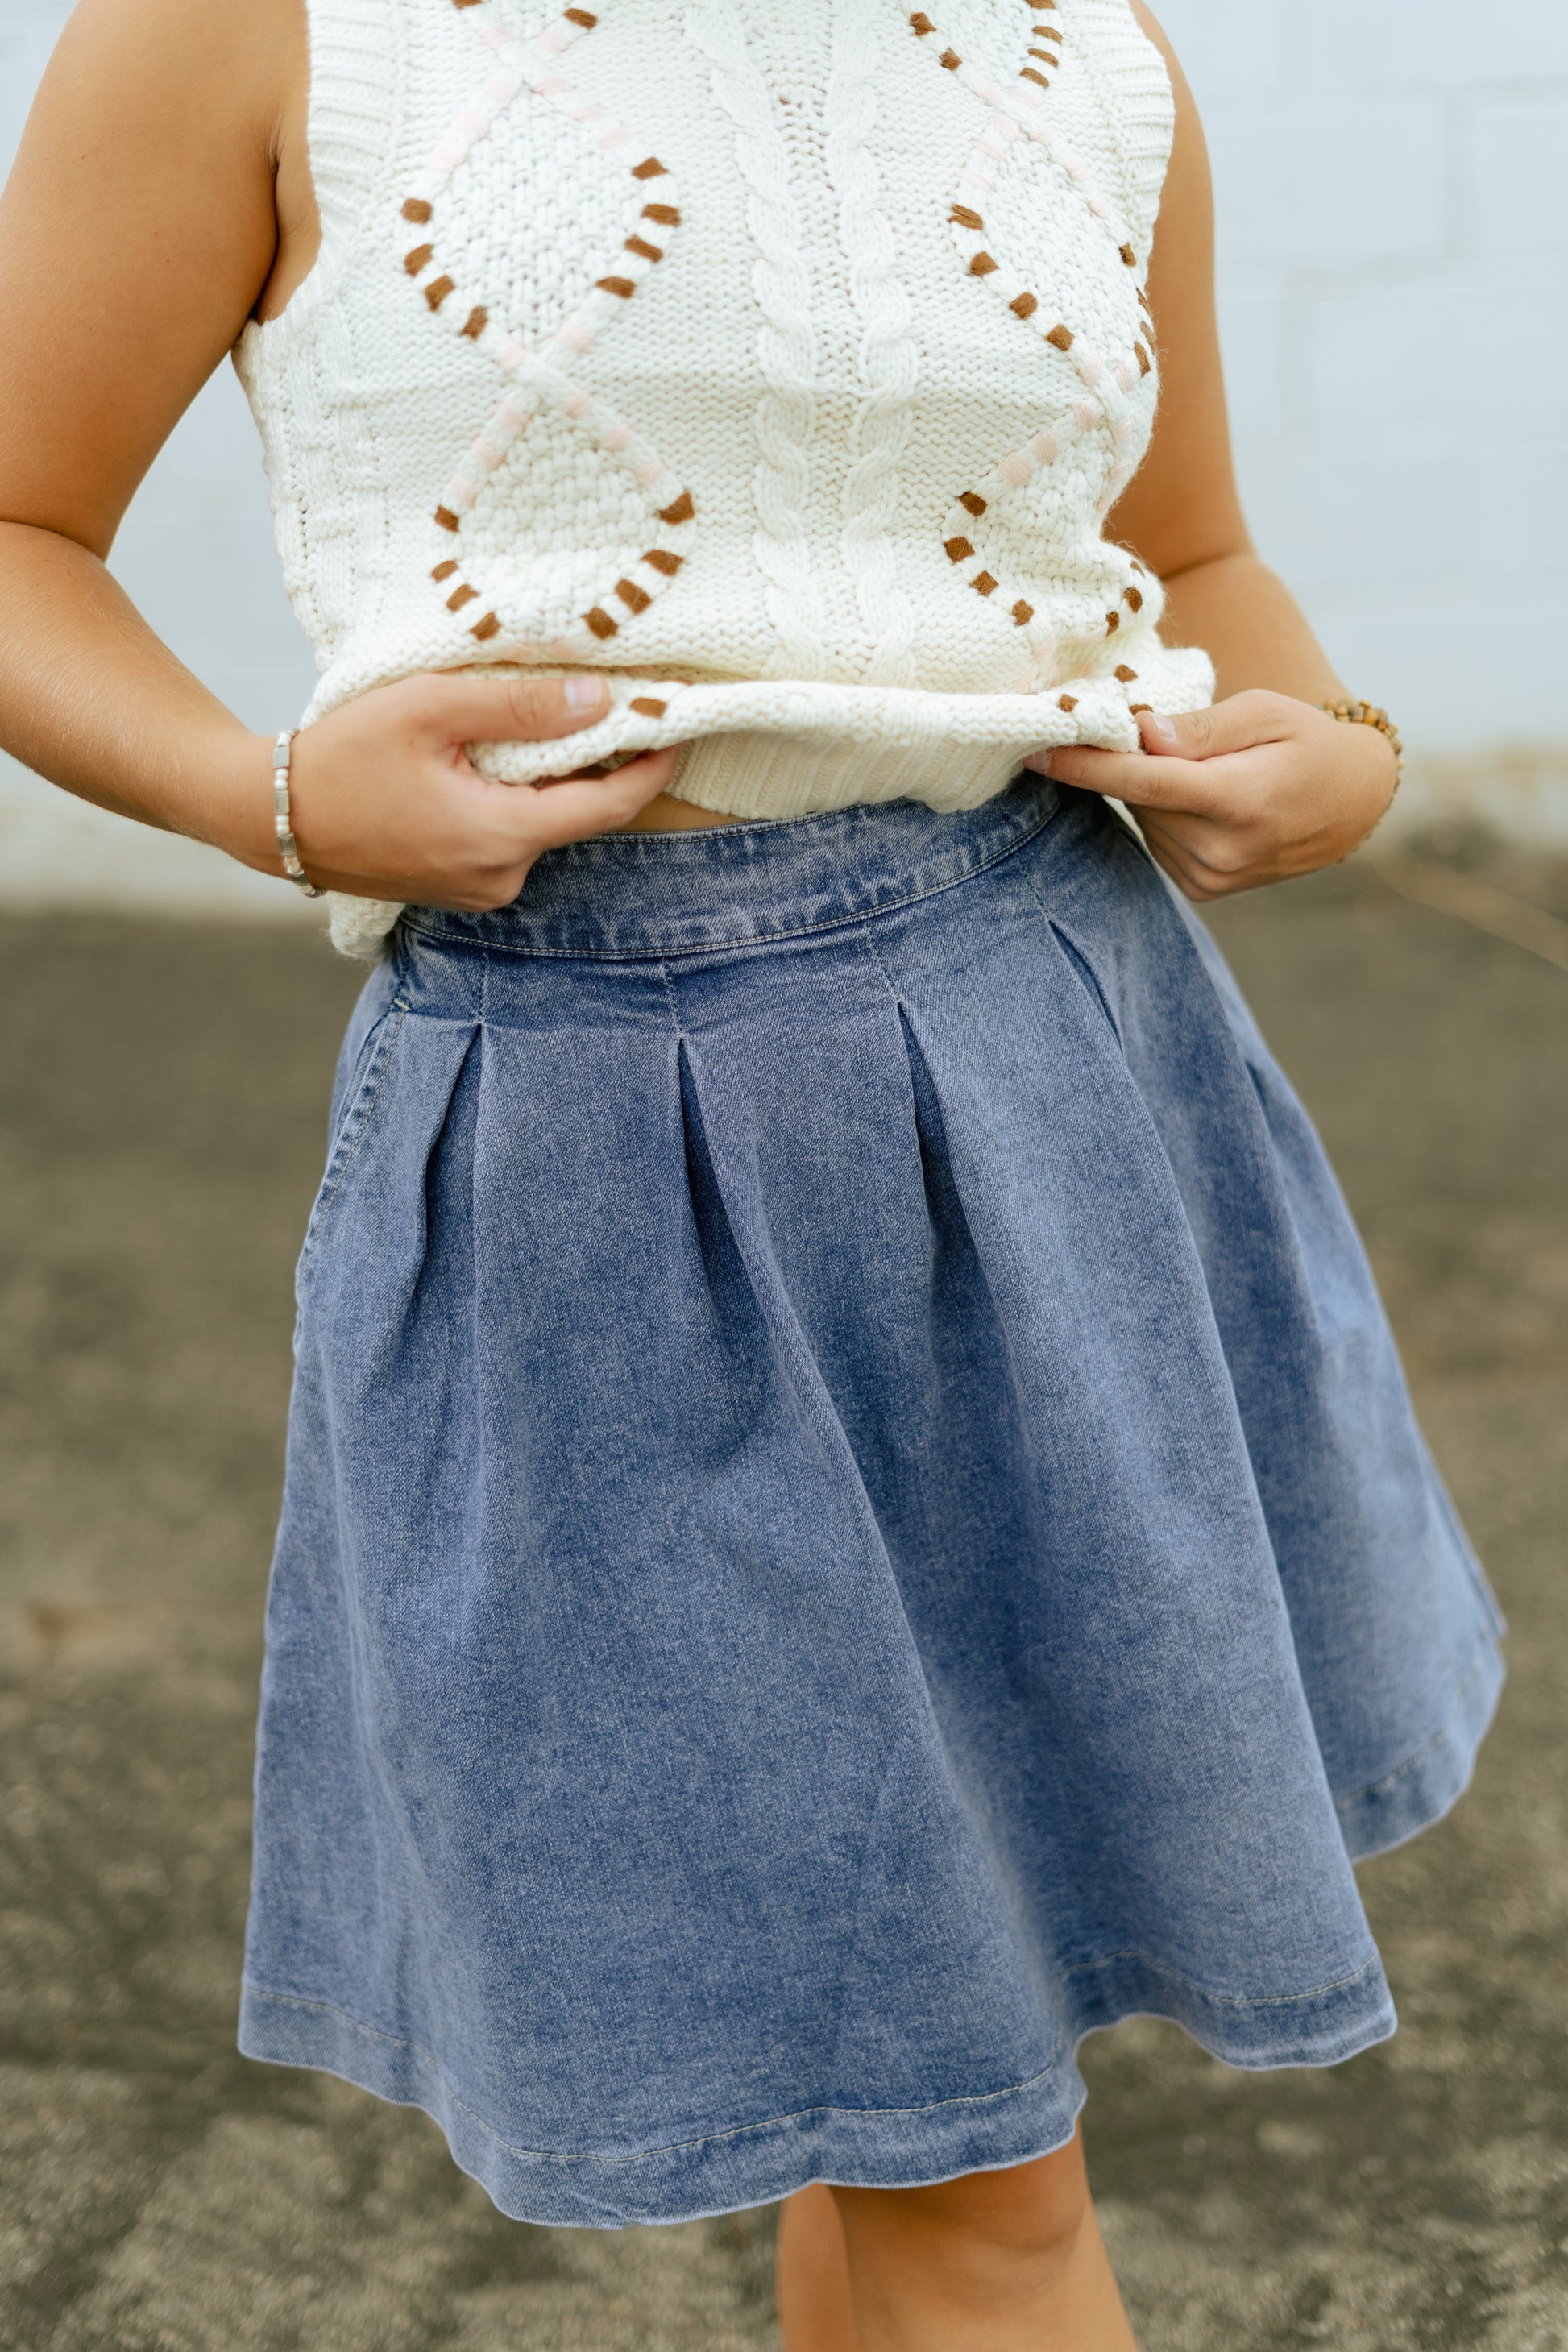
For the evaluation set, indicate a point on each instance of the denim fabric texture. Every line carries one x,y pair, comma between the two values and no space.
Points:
852,1517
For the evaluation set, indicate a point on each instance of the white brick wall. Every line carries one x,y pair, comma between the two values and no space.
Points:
1393,187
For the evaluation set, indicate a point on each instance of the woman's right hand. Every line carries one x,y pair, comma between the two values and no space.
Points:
387,804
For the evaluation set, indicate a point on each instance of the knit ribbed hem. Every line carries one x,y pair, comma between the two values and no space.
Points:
764,749
745,2165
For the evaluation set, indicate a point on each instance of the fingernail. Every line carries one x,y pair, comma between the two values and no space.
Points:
1165,729
585,693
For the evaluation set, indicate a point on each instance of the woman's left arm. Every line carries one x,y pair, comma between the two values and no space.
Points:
1264,785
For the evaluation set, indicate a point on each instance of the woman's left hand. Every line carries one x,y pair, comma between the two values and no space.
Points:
1255,790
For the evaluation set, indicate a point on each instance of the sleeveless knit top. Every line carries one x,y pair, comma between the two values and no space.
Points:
780,358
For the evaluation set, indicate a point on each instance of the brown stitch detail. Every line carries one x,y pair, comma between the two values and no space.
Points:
599,621
958,549
1138,709
1124,674
952,61
415,262
446,518
648,705
474,324
982,266
459,597
1144,299
965,217
1062,337
636,599
580,16
1025,305
1023,614
921,23
983,584
625,287
648,252
488,627
1144,362
972,502
668,215
444,571
1129,257
681,512
1134,597
650,168
1045,57
437,290
418,210
1027,73
661,559
1112,623
1066,702
465,3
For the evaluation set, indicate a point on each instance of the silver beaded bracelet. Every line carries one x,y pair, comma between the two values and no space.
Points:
282,816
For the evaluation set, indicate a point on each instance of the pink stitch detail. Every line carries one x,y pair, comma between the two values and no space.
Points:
1006,127
577,404
502,87
1024,683
591,112
552,41
487,455
1127,375
970,177
447,158
652,470
1121,431
495,36
1044,445
1073,168
613,137
573,334
1015,469
473,124
551,86
1091,368
509,418
460,494
992,147
511,354
1087,416
1100,208
989,94
616,439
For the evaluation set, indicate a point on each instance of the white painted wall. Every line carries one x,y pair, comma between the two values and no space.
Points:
1393,187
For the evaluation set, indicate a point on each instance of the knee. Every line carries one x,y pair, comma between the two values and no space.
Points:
1031,2213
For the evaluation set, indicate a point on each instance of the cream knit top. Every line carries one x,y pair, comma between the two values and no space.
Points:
780,358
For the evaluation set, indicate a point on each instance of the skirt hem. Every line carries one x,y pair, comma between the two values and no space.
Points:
877,2148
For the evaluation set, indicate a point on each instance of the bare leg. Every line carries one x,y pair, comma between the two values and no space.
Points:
996,2262
815,2314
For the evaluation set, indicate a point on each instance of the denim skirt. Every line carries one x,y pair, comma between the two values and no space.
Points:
852,1517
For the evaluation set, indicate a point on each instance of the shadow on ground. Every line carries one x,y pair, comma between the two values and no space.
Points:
161,1093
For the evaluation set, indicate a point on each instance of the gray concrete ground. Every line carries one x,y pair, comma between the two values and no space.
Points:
162,1092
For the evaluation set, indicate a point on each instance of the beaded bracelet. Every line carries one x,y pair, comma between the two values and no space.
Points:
282,816
1367,714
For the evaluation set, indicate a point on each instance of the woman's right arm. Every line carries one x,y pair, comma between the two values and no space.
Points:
137,232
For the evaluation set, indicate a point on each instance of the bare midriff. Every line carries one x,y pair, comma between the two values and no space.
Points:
667,815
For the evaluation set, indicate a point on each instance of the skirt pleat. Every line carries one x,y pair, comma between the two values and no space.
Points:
852,1515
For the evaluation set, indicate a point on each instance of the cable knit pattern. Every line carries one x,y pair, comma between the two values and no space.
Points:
786,370
889,353
787,343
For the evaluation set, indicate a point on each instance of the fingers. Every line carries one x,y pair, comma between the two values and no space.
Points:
1238,724
493,709
1140,780
575,808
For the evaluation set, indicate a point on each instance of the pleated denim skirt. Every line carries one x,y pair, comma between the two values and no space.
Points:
852,1517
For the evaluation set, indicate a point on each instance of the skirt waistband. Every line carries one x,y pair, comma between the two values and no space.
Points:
626,896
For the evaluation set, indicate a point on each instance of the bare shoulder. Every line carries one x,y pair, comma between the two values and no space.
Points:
137,229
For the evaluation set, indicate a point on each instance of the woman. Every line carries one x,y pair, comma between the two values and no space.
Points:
851,1514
